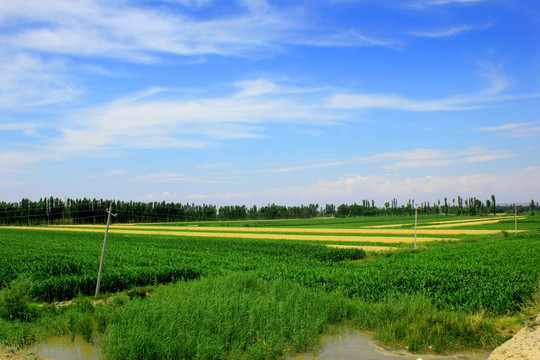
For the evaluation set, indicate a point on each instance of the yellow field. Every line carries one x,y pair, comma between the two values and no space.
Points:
222,230
450,223
323,238
357,237
470,223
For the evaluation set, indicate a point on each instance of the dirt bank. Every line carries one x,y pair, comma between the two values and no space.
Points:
525,345
19,355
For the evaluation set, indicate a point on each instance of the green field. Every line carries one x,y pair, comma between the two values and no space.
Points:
227,296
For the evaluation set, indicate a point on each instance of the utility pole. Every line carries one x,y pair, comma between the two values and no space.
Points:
415,222
515,219
104,246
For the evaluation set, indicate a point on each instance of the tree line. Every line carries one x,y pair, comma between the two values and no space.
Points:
53,210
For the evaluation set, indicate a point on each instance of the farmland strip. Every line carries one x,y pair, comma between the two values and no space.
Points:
379,239
421,231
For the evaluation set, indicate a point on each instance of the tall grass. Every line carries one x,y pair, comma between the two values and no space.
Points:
242,316
238,316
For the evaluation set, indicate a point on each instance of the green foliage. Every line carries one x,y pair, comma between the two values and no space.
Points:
137,292
412,321
93,211
64,264
246,317
237,316
495,276
14,300
83,304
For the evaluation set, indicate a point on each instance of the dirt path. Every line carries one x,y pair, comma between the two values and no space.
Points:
19,355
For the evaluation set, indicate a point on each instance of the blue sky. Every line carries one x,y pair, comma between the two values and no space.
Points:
257,102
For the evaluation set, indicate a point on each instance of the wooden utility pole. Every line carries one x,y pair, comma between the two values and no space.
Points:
415,222
103,251
515,219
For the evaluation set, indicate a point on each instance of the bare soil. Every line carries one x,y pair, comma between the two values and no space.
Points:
525,345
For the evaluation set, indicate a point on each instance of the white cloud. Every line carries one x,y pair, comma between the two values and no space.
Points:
515,130
435,158
496,82
141,121
412,159
517,186
28,80
121,30
171,177
425,3
212,166
444,2
24,127
256,87
165,118
164,196
446,32
114,172
394,102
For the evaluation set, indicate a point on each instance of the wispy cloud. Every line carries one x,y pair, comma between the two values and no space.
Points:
447,32
122,30
29,80
171,177
212,166
420,158
412,159
161,118
522,184
496,81
515,130
425,3
168,121
26,128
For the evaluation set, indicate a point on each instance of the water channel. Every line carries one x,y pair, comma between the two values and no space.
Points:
351,345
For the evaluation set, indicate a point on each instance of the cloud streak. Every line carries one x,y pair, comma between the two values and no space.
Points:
515,130
413,159
161,118
492,93
523,183
121,30
447,32
171,177
28,81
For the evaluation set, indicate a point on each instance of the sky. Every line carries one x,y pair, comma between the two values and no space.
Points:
256,102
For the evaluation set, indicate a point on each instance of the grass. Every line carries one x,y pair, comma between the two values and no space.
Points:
262,299
237,316
246,317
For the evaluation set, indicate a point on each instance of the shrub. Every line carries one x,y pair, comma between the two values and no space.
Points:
14,300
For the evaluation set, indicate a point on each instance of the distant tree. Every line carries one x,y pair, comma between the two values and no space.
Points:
494,204
329,209
532,207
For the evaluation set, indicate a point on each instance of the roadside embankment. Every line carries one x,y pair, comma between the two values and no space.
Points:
525,345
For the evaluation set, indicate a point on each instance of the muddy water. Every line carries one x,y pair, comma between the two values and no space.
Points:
361,346
347,346
62,348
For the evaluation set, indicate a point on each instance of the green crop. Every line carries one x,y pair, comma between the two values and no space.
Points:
492,275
